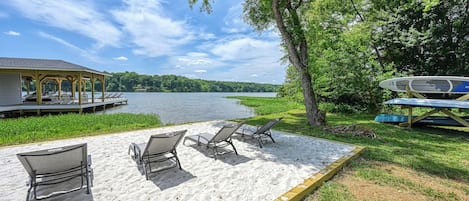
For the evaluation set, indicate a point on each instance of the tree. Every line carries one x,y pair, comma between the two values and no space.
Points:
287,16
426,37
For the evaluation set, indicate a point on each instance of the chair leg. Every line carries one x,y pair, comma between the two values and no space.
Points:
29,191
87,180
270,135
272,138
234,148
259,140
91,177
177,159
178,163
145,170
34,192
215,153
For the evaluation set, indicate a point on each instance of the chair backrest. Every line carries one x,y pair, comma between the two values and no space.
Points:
54,160
268,125
225,132
163,143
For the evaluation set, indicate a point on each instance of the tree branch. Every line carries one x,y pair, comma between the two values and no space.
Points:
378,54
300,43
293,52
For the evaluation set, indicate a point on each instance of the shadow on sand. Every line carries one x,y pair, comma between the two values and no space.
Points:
78,195
224,155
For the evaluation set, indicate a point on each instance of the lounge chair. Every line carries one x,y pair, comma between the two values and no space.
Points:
160,148
55,166
214,141
261,131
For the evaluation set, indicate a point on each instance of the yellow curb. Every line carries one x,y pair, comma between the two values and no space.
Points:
310,184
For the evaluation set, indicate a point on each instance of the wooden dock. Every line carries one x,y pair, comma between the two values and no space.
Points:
28,109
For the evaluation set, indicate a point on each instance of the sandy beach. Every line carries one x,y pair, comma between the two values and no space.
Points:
256,174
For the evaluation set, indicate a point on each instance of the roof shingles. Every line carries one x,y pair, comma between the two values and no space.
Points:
43,64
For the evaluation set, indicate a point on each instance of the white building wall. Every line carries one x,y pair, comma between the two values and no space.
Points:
10,88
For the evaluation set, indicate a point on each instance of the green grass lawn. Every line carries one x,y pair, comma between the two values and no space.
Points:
36,129
437,152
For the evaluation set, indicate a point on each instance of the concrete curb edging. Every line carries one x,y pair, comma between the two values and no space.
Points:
310,184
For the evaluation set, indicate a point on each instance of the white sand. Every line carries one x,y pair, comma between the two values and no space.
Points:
256,174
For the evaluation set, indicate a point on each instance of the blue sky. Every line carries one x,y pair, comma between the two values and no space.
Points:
154,37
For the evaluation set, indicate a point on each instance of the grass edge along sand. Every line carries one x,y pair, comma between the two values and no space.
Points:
432,157
53,127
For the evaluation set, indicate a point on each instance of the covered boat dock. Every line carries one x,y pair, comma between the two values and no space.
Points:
17,74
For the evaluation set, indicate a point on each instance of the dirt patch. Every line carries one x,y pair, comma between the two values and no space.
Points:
363,189
466,162
368,190
446,186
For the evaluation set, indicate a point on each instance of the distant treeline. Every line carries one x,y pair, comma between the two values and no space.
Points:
131,81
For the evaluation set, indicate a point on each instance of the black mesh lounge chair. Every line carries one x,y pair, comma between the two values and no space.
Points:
221,139
261,131
160,148
55,166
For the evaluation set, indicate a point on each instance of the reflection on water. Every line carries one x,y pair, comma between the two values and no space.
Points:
187,107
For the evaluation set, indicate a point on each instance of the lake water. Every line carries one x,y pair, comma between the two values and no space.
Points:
187,107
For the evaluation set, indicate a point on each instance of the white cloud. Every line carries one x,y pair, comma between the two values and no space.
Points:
154,34
200,71
75,16
206,36
232,59
60,40
246,48
251,59
121,58
12,33
192,60
81,51
233,20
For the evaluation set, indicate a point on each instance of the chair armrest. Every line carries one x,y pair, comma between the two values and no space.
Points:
249,130
138,151
199,136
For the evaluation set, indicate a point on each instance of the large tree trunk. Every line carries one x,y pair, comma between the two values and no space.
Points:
314,115
298,56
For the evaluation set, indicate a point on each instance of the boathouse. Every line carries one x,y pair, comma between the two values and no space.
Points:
16,73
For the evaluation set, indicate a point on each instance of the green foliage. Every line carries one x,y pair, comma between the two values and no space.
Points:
291,89
205,7
426,37
342,60
436,151
353,45
130,81
36,129
258,14
339,108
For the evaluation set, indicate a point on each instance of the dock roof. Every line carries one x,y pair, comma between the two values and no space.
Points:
44,65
